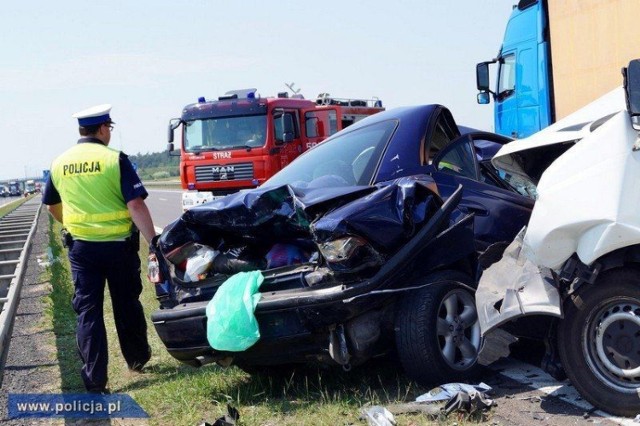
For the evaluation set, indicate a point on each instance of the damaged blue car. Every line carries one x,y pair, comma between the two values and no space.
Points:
371,242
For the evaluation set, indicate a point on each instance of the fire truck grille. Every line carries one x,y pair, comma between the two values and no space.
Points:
219,172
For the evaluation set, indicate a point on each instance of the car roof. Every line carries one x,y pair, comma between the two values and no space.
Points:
403,113
418,116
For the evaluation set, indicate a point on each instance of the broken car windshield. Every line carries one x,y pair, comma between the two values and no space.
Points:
347,159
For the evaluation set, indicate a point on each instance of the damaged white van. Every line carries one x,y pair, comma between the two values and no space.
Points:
572,276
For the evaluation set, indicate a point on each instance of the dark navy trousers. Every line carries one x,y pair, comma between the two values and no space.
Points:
116,262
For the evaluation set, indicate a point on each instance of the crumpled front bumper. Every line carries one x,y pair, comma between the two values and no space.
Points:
294,323
515,287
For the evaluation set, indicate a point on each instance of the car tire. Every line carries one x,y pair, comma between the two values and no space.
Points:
437,330
599,341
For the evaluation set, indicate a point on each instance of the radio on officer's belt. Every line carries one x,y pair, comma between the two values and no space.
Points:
67,238
134,239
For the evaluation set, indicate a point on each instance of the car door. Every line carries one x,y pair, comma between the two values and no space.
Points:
499,211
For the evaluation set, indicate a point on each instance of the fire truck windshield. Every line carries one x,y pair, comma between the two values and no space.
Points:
222,133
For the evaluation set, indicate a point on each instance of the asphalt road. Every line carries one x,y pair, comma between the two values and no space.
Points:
164,205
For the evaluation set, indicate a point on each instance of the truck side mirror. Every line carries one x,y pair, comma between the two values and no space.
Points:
483,98
482,76
171,150
174,123
632,91
284,127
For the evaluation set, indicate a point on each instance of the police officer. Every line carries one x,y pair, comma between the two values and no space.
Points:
96,194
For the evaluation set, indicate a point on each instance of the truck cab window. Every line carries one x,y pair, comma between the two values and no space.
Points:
311,123
507,76
193,135
222,133
279,131
320,123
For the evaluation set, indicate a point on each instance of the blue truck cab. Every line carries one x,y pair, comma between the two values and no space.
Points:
523,93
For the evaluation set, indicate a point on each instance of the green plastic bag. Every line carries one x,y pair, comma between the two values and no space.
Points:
231,323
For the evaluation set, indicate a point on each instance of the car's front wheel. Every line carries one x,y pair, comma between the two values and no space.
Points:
437,331
599,341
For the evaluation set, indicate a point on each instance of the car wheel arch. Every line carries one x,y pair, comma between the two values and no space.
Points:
626,256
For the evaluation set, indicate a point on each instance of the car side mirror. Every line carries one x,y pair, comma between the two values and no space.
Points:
483,98
631,76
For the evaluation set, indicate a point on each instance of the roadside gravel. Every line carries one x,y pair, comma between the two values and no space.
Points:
32,365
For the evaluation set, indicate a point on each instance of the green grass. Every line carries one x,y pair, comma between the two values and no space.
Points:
7,208
163,184
60,313
176,394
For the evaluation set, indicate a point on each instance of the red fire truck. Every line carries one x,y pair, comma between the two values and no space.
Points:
241,139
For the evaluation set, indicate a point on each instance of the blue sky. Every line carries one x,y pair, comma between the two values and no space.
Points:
150,58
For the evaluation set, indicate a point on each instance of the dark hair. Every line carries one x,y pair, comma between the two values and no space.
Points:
91,130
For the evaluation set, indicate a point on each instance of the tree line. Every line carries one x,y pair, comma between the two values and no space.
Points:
156,165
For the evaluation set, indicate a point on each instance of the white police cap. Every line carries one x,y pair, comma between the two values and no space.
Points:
95,115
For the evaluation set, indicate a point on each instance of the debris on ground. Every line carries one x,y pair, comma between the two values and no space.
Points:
468,402
432,410
442,400
47,259
378,416
229,419
450,390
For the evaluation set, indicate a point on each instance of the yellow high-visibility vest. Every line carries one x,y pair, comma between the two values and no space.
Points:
87,177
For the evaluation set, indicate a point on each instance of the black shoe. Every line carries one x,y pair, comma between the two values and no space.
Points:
139,366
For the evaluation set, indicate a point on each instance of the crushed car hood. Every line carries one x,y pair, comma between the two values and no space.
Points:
268,215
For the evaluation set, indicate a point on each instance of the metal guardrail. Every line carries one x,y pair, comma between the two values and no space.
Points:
162,183
16,232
